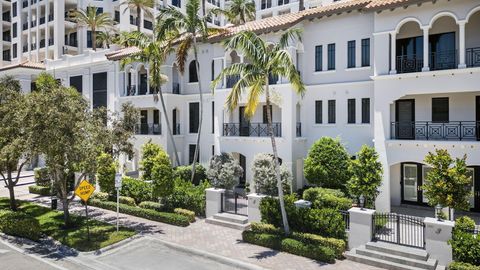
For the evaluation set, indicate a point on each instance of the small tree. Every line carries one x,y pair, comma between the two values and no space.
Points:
264,177
149,157
448,182
327,164
162,175
106,169
224,171
366,173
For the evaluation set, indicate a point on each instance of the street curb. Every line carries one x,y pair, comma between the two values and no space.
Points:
112,246
208,255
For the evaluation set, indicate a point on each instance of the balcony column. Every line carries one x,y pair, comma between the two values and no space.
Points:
393,52
461,41
426,53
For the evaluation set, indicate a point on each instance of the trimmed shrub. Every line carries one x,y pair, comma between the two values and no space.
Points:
465,245
150,152
162,179
169,218
126,200
264,176
259,227
139,190
327,198
185,173
102,196
462,266
327,164
106,170
41,177
151,205
19,224
40,190
187,196
184,212
289,245
224,171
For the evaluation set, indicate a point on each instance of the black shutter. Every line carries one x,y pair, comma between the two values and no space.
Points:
318,112
331,112
351,111
365,110
194,113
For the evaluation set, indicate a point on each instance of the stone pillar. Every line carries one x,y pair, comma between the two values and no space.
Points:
461,41
360,231
254,200
214,201
426,52
393,52
437,234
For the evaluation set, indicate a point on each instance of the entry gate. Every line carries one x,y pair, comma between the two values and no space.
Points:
234,203
399,229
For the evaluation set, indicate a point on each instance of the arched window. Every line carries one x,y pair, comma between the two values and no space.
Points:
192,72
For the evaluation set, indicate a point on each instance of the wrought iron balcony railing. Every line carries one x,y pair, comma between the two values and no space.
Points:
251,129
428,130
473,57
409,63
148,129
443,60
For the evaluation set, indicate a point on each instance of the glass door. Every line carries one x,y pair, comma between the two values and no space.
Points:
405,115
410,183
425,172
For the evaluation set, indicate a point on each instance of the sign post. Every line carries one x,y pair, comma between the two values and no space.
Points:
118,186
84,191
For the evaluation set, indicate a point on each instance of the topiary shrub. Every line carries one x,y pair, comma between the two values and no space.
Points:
185,173
462,266
151,205
40,190
19,224
162,175
184,212
106,170
150,152
265,178
126,200
187,196
327,198
41,177
327,164
465,244
139,190
224,171
102,196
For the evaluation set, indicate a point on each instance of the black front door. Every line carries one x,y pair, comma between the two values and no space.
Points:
477,106
143,122
244,124
405,118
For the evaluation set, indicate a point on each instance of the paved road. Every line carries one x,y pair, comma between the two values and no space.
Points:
149,254
11,259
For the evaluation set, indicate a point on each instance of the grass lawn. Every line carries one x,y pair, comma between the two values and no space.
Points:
102,234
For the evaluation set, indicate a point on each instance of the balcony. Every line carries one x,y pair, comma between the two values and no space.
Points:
430,131
148,129
409,63
443,60
473,57
251,129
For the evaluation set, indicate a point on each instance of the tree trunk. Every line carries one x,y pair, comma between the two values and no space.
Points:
169,128
94,39
11,186
66,214
195,156
139,12
275,157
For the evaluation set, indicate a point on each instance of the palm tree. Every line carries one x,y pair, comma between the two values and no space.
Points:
238,12
94,20
153,52
106,38
265,61
187,28
139,5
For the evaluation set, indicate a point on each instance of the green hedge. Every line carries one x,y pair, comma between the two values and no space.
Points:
187,213
41,177
465,245
169,218
187,196
40,190
126,200
19,224
278,242
462,266
102,196
327,198
337,245
138,189
151,205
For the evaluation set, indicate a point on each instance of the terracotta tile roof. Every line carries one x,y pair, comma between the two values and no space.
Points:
121,53
25,64
334,8
386,4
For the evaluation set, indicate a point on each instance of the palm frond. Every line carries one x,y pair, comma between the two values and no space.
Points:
290,36
182,52
249,44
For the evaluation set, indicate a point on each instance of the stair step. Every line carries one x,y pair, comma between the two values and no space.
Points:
430,264
408,252
231,218
228,224
353,256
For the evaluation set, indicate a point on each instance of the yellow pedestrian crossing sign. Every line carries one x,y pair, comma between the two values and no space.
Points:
84,190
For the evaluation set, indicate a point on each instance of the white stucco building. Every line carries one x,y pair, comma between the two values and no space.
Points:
403,76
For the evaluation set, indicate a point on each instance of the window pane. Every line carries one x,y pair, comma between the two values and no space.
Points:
351,111
440,110
365,110
331,112
365,52
318,112
351,54
318,58
194,111
99,90
331,56
77,83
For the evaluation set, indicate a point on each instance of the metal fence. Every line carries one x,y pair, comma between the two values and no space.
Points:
234,203
399,229
346,218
